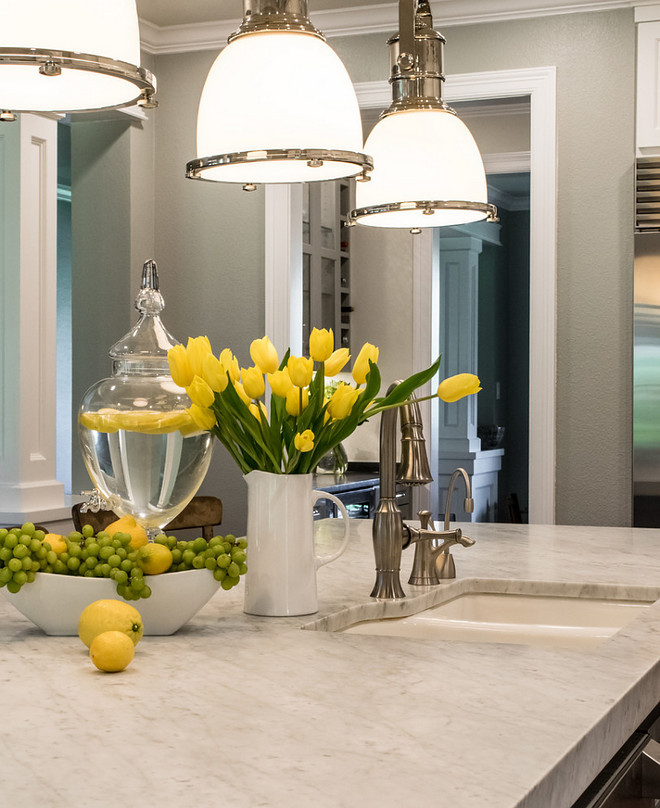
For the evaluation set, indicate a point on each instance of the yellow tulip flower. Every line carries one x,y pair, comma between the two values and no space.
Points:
264,355
230,364
280,382
214,373
304,441
342,401
189,427
253,382
196,350
260,412
300,370
293,400
361,365
336,362
457,387
202,417
245,398
321,344
177,359
200,393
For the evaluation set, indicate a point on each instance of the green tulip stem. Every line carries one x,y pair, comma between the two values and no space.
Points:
292,462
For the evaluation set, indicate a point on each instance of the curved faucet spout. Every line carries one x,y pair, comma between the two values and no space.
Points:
468,503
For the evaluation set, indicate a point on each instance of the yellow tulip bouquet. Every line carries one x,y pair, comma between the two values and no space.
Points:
304,423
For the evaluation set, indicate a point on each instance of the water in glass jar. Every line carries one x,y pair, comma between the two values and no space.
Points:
150,476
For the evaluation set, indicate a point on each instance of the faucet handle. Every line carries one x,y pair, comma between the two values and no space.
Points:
433,561
465,541
425,520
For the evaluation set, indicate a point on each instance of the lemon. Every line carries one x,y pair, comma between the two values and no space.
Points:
56,541
127,524
111,651
101,421
154,558
110,615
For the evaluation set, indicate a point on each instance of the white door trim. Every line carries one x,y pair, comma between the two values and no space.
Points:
540,85
283,267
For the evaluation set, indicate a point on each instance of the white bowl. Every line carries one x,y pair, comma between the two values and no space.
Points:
54,602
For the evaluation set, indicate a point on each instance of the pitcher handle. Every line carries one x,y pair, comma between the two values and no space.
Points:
326,559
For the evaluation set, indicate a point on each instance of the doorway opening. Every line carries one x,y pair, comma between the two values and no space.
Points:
503,361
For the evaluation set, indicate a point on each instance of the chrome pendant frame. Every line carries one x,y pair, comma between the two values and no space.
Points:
313,157
50,63
275,15
428,207
417,78
262,16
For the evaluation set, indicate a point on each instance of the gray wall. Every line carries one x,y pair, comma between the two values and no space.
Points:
209,247
594,55
208,239
101,236
382,296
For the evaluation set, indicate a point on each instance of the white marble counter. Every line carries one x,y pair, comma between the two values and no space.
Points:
242,711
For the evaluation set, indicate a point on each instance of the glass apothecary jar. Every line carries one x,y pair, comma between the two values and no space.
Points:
141,449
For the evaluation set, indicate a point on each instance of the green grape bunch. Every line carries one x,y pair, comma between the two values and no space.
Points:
24,552
224,556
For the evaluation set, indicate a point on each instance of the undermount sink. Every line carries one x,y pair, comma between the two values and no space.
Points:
539,614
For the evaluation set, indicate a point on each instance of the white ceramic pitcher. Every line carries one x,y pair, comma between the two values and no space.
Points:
282,560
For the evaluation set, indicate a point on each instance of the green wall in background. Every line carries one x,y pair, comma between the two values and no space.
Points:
64,308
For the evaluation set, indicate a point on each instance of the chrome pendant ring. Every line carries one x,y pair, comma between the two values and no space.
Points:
51,62
313,157
428,207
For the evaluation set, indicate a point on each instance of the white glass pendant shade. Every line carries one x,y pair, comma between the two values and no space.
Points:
422,155
97,28
278,90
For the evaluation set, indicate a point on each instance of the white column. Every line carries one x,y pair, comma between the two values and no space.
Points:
458,444
423,346
283,267
28,308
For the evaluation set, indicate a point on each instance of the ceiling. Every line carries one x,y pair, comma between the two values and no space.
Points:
176,12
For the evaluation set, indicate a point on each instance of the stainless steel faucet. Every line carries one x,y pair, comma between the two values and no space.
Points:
390,535
433,562
444,565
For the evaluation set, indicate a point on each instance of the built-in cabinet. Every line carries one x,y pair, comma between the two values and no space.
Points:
326,263
632,778
648,77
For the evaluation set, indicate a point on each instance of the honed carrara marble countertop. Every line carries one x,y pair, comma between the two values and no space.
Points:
241,711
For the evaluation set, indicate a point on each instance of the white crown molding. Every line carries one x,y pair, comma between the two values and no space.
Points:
379,18
494,110
647,11
508,162
505,201
157,40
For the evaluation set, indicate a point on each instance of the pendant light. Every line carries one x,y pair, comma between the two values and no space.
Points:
71,56
278,105
428,170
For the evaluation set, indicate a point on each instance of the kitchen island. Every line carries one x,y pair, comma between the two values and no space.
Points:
242,711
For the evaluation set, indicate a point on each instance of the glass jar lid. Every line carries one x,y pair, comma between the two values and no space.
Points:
144,348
